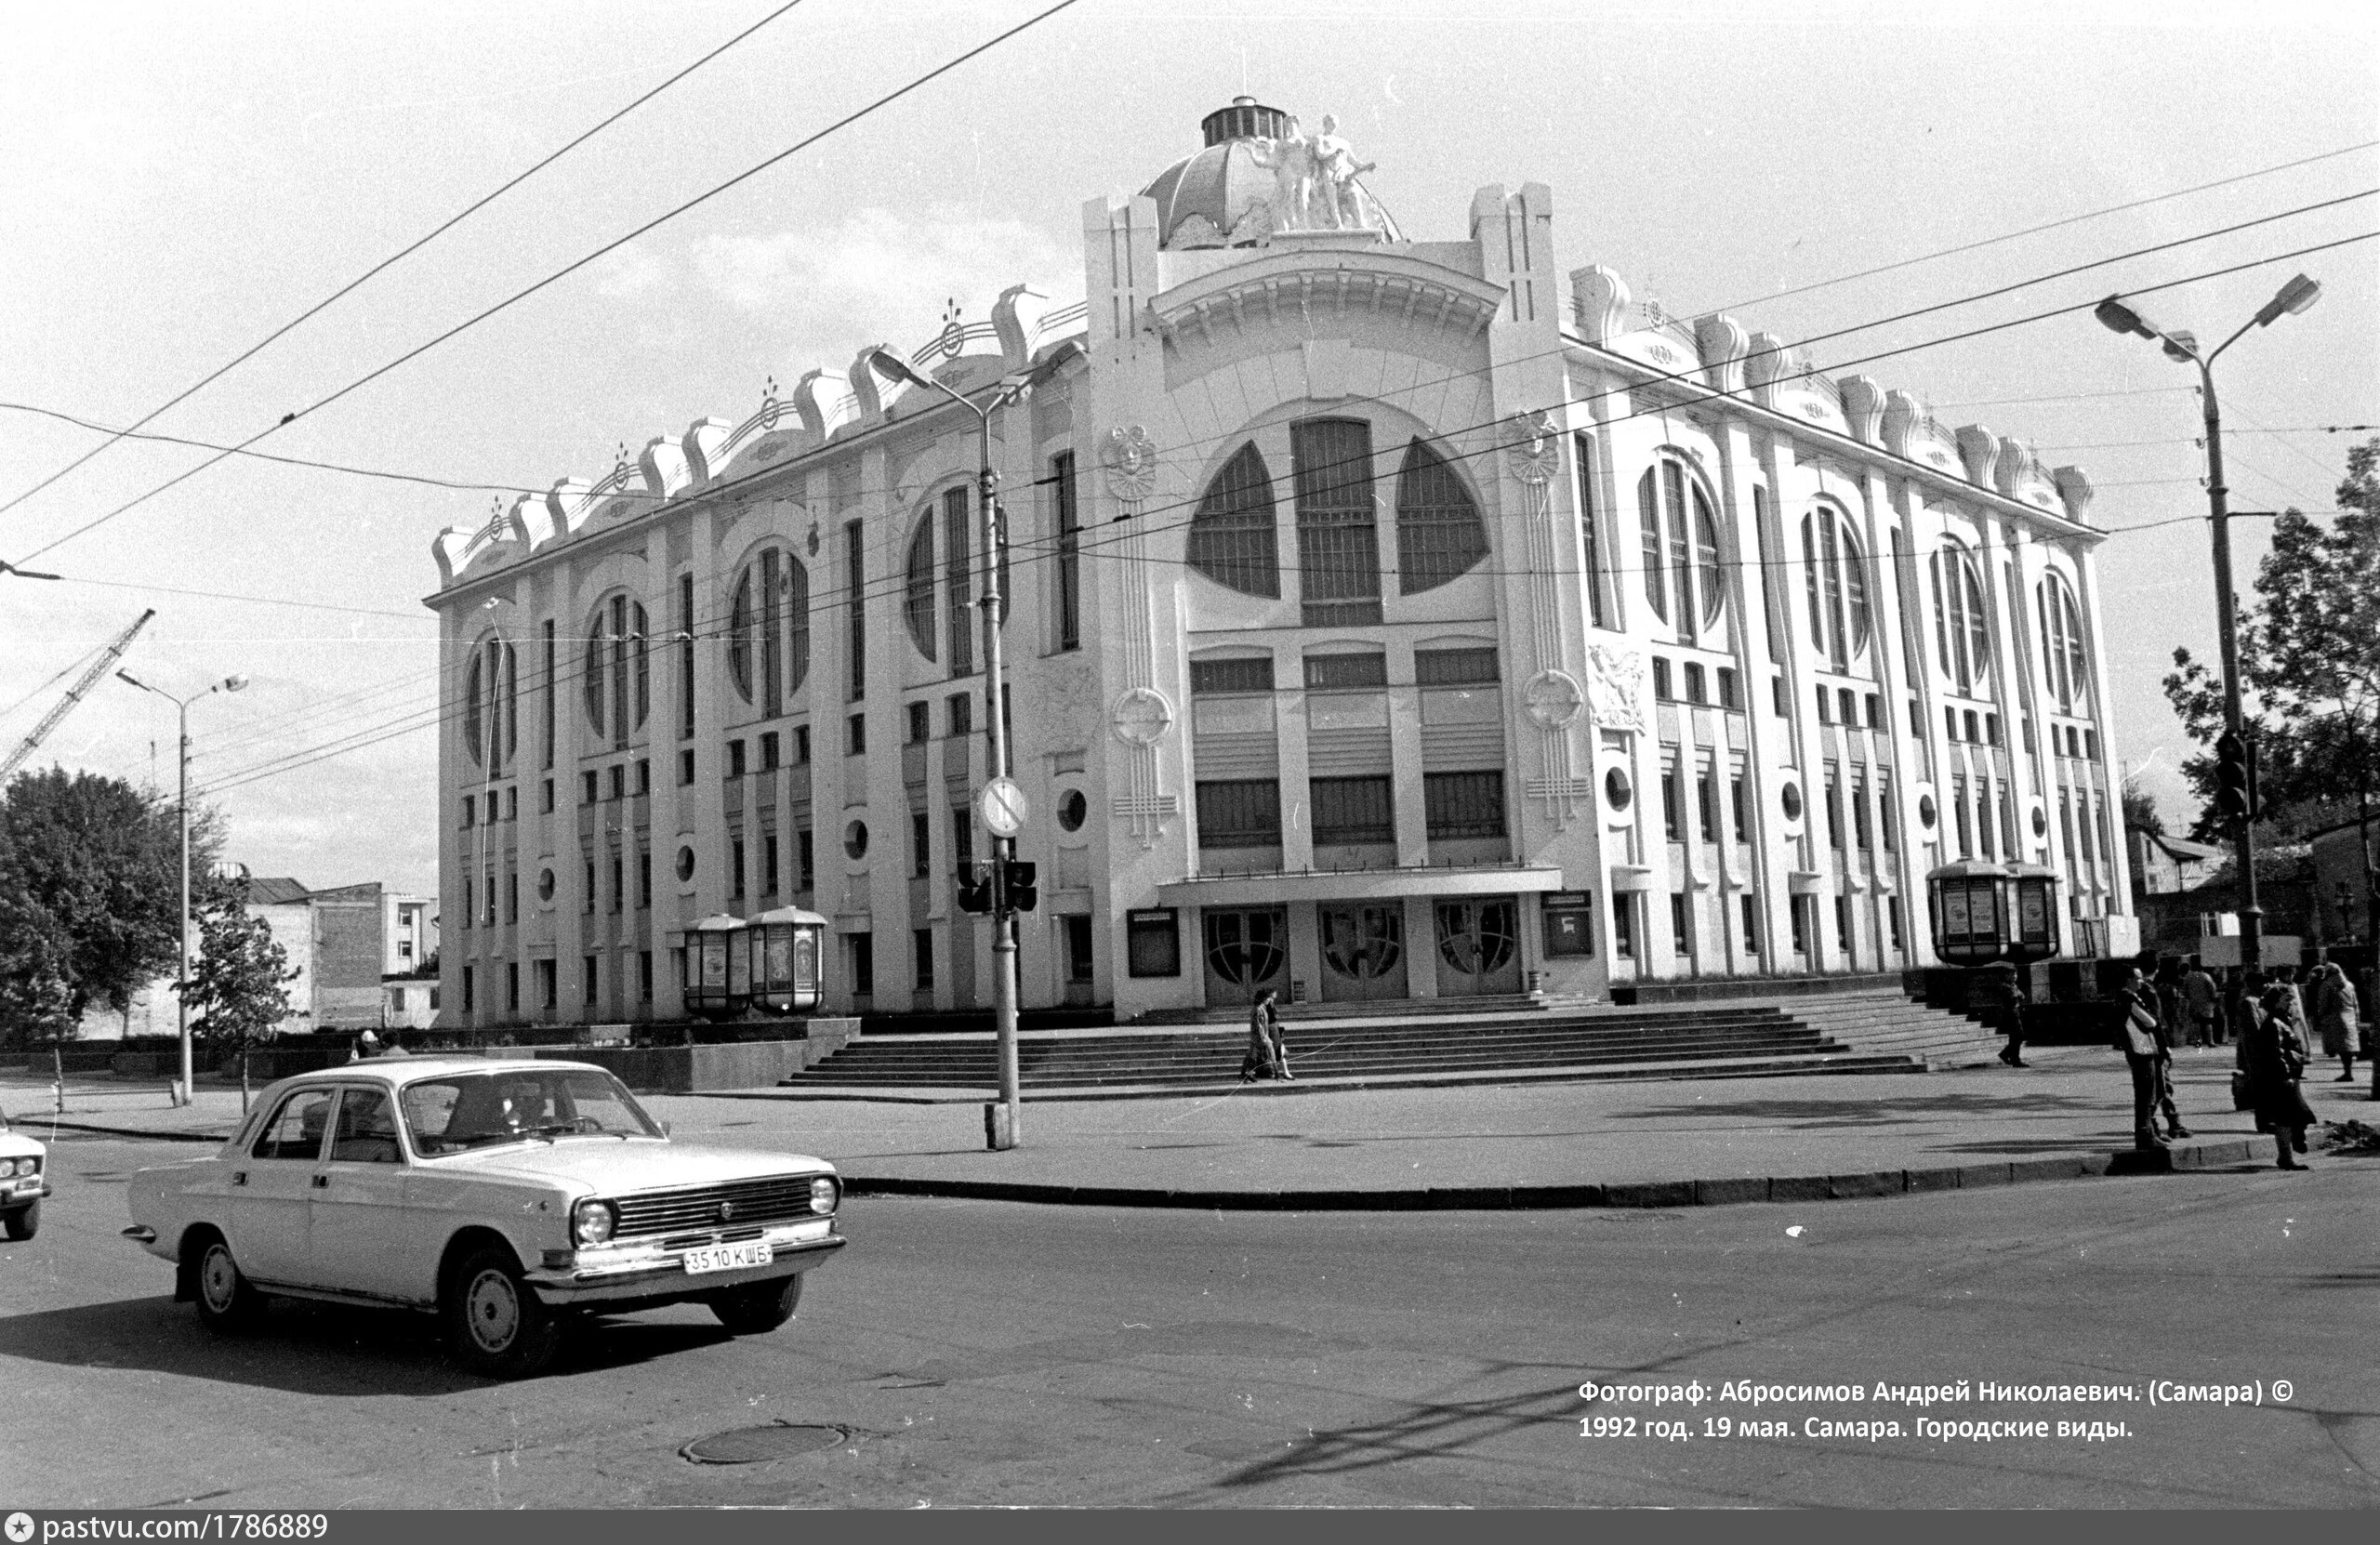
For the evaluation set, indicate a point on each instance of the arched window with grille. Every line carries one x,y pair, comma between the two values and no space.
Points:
1685,573
1837,587
492,705
916,606
768,630
1338,532
1439,534
1232,539
947,630
2065,666
1961,621
618,677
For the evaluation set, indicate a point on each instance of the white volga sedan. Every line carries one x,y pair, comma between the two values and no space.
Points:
504,1196
22,1186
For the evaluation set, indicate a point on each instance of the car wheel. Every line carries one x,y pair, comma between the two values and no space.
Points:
496,1323
759,1308
227,1302
25,1223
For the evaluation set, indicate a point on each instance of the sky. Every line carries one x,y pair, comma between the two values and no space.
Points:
183,179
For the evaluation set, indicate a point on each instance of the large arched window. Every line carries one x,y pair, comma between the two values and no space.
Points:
1962,626
768,630
2064,665
619,682
1439,534
491,704
1684,580
1231,534
1840,620
1331,468
955,539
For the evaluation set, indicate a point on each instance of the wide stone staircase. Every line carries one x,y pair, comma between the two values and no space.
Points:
1503,1040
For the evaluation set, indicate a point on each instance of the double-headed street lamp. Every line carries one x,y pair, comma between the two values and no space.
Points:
2121,316
1003,1124
181,967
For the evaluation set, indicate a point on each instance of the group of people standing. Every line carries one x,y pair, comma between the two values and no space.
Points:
2266,1016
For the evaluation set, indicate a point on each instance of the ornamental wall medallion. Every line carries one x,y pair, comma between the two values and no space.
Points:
1142,717
1535,452
1130,458
1553,698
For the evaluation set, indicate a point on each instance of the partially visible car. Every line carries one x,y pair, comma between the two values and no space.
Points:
507,1197
23,1184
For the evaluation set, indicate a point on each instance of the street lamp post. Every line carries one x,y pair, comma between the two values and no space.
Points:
1005,1126
2121,316
181,967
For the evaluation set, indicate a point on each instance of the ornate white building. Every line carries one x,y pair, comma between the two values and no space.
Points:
1389,618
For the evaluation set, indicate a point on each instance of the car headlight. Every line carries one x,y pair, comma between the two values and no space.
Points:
591,1222
28,1166
824,1193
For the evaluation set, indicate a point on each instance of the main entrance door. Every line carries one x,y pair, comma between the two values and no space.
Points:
1247,951
1363,950
1478,947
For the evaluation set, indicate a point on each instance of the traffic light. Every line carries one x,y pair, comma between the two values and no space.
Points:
2235,778
1020,891
975,887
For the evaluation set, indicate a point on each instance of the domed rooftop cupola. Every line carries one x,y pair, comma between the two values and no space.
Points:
1259,176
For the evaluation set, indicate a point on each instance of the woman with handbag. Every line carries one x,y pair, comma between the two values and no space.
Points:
2275,1061
2146,1054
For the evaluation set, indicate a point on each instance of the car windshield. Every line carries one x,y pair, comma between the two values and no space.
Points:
474,1110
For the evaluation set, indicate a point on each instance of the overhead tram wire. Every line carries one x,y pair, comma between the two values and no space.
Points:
241,449
556,275
2053,225
384,265
895,585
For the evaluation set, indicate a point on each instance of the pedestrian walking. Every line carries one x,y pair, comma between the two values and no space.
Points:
2275,1054
2200,1000
1997,992
1267,1056
2147,1050
2336,1017
2170,1009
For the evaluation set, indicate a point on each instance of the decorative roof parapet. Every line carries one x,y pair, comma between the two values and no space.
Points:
706,444
1599,299
1863,408
532,521
1979,448
2019,475
2075,491
570,501
1643,333
664,468
827,399
1017,318
1771,361
870,394
1722,342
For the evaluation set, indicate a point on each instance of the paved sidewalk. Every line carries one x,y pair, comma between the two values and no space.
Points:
1666,1143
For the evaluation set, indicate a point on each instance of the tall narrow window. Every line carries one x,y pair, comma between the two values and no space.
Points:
1767,596
1584,446
1962,629
1840,620
1649,519
958,580
1337,537
551,670
1061,474
772,633
917,604
854,609
1231,534
1681,544
797,611
1438,531
741,624
685,656
2064,665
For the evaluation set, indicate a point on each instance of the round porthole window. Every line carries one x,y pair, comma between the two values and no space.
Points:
1073,810
1925,811
1617,789
545,885
855,839
1791,795
685,864
2040,822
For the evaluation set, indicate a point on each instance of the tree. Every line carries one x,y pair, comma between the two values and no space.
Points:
90,888
2140,812
236,986
2309,665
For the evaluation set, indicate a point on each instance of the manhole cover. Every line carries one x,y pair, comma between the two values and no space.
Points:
759,1444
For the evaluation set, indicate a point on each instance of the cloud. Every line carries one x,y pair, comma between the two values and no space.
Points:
880,273
633,272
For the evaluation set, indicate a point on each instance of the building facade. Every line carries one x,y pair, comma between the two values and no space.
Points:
1386,618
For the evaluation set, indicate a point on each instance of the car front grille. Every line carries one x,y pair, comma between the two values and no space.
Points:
772,1198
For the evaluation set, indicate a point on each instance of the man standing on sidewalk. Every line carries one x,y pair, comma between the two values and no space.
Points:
2200,1001
1996,992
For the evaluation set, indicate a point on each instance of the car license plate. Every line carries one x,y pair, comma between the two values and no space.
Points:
726,1258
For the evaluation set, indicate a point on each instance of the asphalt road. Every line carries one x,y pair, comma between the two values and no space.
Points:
987,1352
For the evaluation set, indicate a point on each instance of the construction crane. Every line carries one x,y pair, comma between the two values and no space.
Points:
108,658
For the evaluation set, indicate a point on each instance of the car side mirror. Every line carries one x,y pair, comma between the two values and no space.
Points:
665,1128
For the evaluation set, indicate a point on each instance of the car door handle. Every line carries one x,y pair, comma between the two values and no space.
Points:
322,1183
239,1177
